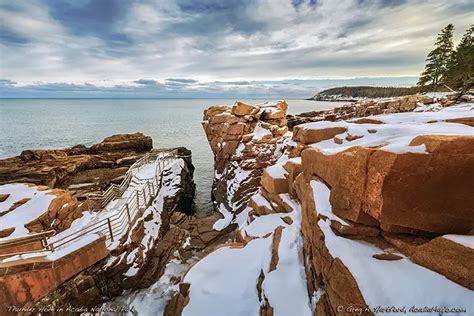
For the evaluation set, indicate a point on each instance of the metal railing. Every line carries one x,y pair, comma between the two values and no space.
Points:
114,191
26,240
122,220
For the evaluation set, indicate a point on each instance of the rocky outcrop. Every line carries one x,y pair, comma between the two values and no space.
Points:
84,171
62,211
376,196
397,201
245,139
365,185
165,231
368,107
34,209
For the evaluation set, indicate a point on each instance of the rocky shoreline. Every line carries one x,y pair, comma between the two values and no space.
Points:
313,212
165,232
351,197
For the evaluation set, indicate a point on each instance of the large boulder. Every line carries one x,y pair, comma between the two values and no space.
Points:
449,258
274,179
429,192
305,135
345,173
242,108
136,141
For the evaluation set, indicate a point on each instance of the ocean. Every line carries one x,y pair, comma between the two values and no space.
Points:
59,123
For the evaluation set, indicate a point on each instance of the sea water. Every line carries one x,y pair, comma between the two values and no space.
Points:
59,123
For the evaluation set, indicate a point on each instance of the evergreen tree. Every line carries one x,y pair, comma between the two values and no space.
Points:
438,59
460,74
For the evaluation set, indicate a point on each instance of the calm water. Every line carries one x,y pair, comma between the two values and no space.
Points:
59,123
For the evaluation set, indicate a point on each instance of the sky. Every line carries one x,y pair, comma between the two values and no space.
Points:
216,48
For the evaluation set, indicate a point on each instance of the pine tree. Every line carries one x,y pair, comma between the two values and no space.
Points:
460,74
438,59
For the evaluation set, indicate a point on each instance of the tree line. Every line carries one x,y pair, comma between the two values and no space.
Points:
448,66
359,92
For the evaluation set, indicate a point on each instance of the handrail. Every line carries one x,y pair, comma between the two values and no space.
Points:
29,237
116,224
131,208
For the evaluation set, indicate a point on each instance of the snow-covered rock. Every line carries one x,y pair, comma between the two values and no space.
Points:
368,196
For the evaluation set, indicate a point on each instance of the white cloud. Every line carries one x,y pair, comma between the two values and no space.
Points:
266,39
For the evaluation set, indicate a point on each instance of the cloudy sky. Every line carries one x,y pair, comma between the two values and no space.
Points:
215,48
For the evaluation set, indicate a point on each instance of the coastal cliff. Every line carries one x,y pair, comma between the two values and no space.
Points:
245,139
349,214
57,193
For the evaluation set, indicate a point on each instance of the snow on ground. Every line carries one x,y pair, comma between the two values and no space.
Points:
389,283
225,282
285,287
260,200
59,253
260,132
241,176
225,221
263,225
73,246
171,184
438,95
321,195
40,201
277,171
138,181
398,131
152,300
24,214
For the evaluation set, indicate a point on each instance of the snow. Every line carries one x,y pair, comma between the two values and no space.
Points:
223,222
187,242
398,131
40,201
152,300
285,287
465,240
171,183
240,149
261,201
263,225
224,282
438,95
59,253
277,171
240,177
295,160
260,132
428,108
141,175
393,283
26,213
73,246
241,218
321,195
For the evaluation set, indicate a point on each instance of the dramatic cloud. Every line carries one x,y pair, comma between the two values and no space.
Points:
223,44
